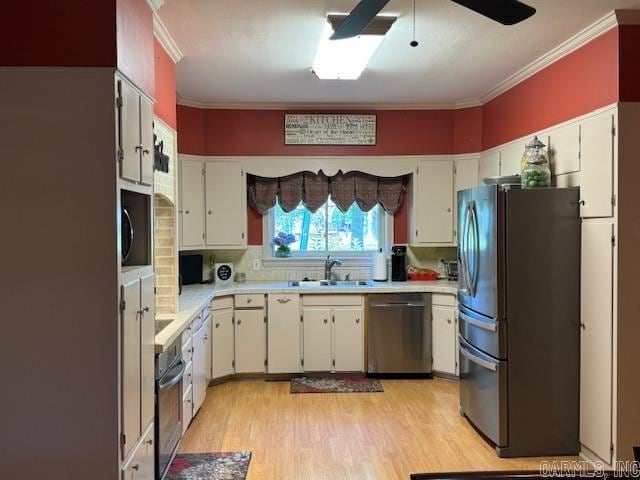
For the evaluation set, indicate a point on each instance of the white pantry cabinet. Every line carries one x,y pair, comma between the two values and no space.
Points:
284,333
138,370
222,363
191,203
564,149
141,465
597,337
135,134
432,210
596,161
444,334
250,340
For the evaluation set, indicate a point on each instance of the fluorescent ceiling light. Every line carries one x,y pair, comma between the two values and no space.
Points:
344,59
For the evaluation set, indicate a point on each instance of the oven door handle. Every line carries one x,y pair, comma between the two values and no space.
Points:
175,379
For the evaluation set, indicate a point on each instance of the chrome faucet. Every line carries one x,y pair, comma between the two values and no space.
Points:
328,265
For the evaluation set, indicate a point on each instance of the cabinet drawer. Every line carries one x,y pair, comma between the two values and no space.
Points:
141,464
187,409
331,300
250,301
187,379
443,300
222,303
187,350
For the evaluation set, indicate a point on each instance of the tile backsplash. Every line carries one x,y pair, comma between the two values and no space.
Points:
243,261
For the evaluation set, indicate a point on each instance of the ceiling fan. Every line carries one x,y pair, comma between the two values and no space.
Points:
506,12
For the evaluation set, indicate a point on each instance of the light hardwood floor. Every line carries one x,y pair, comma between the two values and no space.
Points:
413,427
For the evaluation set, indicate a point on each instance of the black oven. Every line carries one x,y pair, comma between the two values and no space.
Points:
170,369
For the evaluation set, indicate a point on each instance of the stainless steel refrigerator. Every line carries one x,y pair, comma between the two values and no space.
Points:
519,317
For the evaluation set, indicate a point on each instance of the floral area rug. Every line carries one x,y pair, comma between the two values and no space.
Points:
210,466
335,385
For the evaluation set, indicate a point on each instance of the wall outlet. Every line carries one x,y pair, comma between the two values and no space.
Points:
256,264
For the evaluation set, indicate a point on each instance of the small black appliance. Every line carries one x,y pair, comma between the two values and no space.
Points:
398,263
191,269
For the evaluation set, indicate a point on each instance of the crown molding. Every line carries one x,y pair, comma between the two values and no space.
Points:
324,106
155,4
598,28
165,38
583,37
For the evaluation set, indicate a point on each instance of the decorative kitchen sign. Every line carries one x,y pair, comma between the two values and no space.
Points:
305,129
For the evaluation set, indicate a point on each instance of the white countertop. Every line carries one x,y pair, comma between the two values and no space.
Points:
195,297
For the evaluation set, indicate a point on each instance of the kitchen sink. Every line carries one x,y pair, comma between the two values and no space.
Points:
329,283
161,325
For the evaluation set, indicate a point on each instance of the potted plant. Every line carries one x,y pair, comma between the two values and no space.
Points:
282,242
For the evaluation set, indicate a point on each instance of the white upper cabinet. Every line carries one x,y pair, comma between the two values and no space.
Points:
226,210
192,203
433,203
489,166
564,149
596,152
511,159
135,134
466,174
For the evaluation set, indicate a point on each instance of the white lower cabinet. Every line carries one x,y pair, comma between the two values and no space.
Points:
444,334
317,339
348,339
142,462
201,350
223,343
250,341
284,333
187,408
596,359
333,333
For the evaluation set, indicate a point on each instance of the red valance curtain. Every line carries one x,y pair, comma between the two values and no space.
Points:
313,190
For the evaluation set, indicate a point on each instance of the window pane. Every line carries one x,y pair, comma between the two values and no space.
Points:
353,231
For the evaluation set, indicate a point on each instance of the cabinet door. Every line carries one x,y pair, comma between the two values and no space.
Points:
564,149
596,339
466,176
317,339
130,364
146,140
192,203
433,211
511,159
250,341
199,365
596,151
348,339
142,463
129,132
444,339
283,333
222,345
187,408
226,213
147,368
489,167
208,350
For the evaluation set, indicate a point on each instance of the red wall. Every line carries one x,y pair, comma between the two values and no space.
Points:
579,83
134,22
165,85
62,33
467,130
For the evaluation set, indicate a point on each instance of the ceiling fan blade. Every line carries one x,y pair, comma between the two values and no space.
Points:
506,12
359,18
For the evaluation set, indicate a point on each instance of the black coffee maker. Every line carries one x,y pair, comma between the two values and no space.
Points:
398,263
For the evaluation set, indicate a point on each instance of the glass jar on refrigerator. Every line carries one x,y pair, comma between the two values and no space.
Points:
535,165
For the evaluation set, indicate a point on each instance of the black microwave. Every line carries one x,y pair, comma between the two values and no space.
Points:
191,269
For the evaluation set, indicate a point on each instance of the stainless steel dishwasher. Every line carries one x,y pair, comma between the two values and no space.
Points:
399,335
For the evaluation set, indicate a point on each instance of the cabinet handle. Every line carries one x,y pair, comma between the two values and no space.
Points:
449,321
135,467
249,300
326,321
138,148
284,300
209,212
449,210
583,326
582,202
145,151
357,320
239,322
143,310
217,325
187,212
150,442
206,337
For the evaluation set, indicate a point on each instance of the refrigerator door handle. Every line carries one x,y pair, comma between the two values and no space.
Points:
473,274
464,253
489,326
477,360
